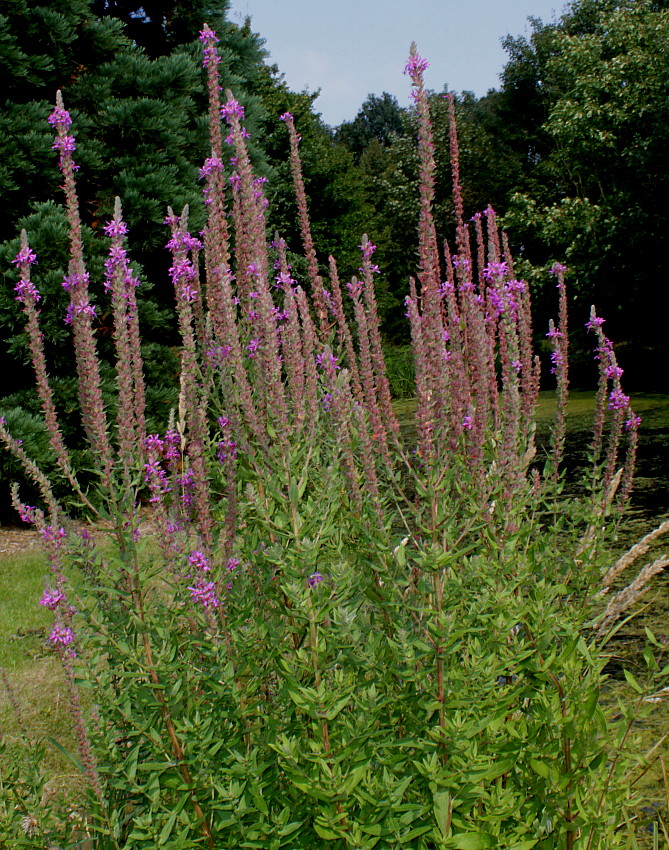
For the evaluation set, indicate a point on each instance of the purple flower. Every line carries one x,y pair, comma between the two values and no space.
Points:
185,292
200,561
416,65
172,444
59,118
53,535
208,36
116,229
558,268
314,579
153,443
155,477
27,513
286,116
25,255
61,635
325,359
468,423
595,322
52,599
204,592
226,451
232,564
495,271
285,280
75,281
64,144
557,359
212,165
27,292
367,249
632,422
614,371
252,347
618,400
232,109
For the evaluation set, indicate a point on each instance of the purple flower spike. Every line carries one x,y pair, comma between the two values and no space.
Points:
25,256
618,400
27,292
51,599
200,561
204,592
416,65
232,109
61,635
208,36
314,579
60,117
595,322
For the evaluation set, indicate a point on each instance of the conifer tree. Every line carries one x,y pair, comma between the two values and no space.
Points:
140,118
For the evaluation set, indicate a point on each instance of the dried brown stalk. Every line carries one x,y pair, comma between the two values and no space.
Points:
629,595
635,552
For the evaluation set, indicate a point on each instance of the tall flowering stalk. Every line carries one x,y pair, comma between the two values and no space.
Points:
610,397
62,634
559,338
255,290
193,389
429,359
121,284
343,330
368,270
29,297
303,216
81,312
216,239
291,342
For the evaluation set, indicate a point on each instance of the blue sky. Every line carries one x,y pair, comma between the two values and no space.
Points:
352,48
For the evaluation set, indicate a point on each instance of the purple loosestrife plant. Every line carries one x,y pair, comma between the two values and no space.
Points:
322,600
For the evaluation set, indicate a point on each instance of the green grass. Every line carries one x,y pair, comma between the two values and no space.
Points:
23,622
33,671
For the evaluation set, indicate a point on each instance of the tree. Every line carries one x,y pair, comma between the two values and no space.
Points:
597,80
379,118
141,131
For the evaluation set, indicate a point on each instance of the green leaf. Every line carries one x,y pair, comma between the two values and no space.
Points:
473,841
540,767
491,771
324,832
75,761
632,682
166,831
332,712
442,811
